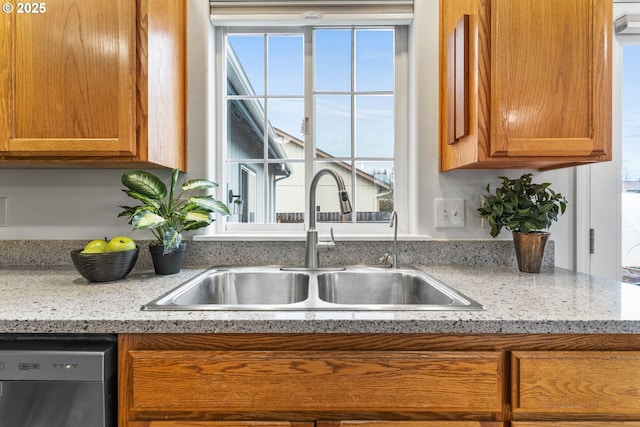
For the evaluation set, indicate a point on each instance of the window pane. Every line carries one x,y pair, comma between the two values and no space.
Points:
631,112
245,64
245,182
374,60
374,191
630,162
289,195
332,60
285,59
333,124
245,129
327,202
265,154
285,120
374,126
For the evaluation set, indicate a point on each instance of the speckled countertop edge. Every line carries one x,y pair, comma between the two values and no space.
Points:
58,300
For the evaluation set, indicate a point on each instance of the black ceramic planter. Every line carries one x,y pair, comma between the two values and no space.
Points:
169,263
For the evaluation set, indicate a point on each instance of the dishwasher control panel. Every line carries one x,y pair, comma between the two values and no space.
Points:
51,361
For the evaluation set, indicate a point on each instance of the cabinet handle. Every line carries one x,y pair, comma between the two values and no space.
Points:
458,81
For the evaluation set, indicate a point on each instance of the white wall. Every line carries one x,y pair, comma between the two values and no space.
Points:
83,204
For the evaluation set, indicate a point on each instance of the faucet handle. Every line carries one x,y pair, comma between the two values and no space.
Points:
327,245
385,259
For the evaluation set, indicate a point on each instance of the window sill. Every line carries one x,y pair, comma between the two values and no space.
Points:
301,236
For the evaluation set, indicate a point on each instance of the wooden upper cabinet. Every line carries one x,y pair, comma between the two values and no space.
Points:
539,83
93,83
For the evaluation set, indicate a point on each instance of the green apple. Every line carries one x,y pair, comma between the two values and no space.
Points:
120,243
95,246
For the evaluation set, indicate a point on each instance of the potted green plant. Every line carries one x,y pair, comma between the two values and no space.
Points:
524,208
167,213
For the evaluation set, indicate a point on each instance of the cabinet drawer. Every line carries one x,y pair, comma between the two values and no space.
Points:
286,381
220,424
576,382
409,424
575,424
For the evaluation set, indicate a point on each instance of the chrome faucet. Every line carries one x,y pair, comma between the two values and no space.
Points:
393,222
313,246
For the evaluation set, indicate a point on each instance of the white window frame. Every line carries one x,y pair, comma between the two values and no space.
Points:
401,138
599,186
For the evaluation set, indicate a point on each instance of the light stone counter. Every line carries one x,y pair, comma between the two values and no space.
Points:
58,300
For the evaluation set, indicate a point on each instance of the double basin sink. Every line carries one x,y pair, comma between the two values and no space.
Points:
278,288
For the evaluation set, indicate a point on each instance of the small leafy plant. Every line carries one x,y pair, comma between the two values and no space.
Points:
521,205
165,212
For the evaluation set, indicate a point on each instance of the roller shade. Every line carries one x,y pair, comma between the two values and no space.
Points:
627,24
311,12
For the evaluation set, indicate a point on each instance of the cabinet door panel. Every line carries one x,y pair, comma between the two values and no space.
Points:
549,62
71,80
220,424
539,84
281,381
576,382
575,424
408,424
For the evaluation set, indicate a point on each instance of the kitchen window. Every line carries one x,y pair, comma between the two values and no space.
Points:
297,99
608,203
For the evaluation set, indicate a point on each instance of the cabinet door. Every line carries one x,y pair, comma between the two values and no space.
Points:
551,79
220,424
539,83
409,424
578,383
68,85
250,382
575,424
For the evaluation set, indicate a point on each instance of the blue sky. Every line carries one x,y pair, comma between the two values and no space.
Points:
631,113
374,72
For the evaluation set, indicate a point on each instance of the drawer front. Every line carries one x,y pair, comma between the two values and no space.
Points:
220,424
575,424
576,382
282,381
409,424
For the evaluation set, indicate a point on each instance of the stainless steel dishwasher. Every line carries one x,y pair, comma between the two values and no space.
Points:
58,381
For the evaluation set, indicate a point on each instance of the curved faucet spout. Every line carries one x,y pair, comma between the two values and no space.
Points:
393,222
343,196
311,256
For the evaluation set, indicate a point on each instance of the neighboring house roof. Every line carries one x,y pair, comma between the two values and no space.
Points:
345,165
631,186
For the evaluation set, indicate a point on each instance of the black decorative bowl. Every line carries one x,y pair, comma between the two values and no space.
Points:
105,266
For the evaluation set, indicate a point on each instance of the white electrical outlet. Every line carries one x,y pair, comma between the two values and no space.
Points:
449,213
3,212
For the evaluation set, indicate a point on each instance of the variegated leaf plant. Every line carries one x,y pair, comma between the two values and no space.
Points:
164,211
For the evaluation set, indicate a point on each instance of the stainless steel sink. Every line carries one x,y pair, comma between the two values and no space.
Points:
249,288
385,287
356,288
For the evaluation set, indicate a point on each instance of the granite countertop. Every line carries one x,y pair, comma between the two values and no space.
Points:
59,300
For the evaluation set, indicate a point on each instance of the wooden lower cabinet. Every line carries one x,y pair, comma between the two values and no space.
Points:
316,381
575,384
379,380
575,424
220,424
316,424
408,424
